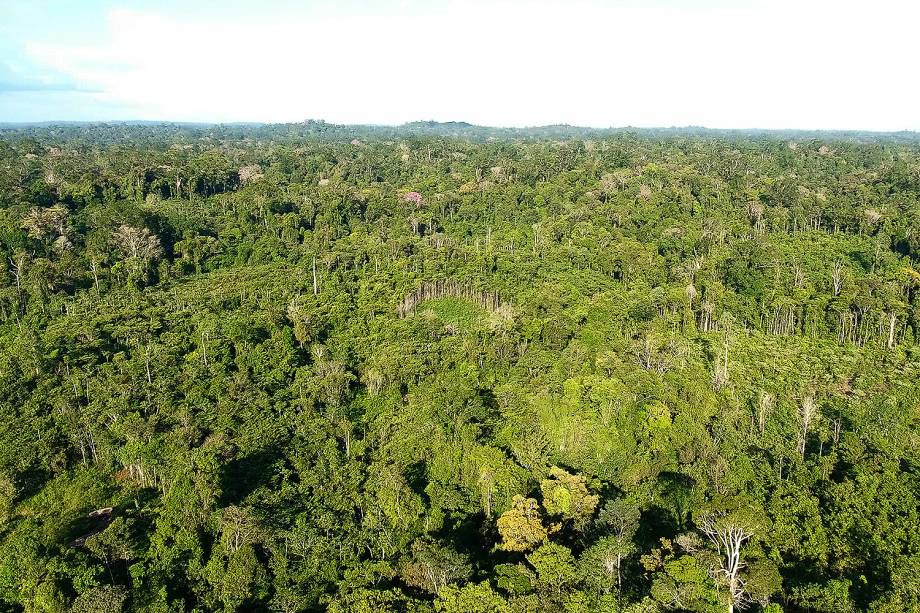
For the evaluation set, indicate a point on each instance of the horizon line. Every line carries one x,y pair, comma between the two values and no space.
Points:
463,124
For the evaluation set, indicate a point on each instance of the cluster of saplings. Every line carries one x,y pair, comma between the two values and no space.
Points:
439,368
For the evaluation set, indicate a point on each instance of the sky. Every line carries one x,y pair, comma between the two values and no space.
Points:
776,64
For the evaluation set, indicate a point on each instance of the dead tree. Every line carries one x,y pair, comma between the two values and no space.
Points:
764,407
807,411
837,277
728,534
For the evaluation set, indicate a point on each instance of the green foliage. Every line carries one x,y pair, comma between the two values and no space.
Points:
521,527
471,598
555,568
102,599
566,495
434,567
309,367
682,582
832,596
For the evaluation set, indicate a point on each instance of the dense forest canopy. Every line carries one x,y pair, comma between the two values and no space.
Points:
444,368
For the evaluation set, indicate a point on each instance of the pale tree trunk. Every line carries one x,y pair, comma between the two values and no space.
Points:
764,407
16,268
892,320
94,268
728,537
808,410
315,284
837,277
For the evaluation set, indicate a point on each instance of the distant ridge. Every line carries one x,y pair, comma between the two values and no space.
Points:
154,131
438,124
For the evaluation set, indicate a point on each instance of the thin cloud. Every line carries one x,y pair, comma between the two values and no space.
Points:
38,86
16,77
782,64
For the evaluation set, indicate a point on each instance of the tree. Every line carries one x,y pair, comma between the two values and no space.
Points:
138,247
367,600
681,580
618,522
566,495
728,530
555,568
48,225
434,566
196,249
521,527
235,577
471,598
114,544
136,243
100,599
238,528
833,597
807,412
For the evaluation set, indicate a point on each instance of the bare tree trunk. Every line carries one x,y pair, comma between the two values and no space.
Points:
315,284
728,537
808,410
16,268
94,267
837,277
147,364
764,407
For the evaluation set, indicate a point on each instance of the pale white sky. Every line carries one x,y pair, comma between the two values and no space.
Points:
780,64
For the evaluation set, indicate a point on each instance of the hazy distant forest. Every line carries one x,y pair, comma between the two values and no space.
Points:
442,368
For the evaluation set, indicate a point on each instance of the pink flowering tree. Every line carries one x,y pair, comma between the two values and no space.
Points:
415,198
